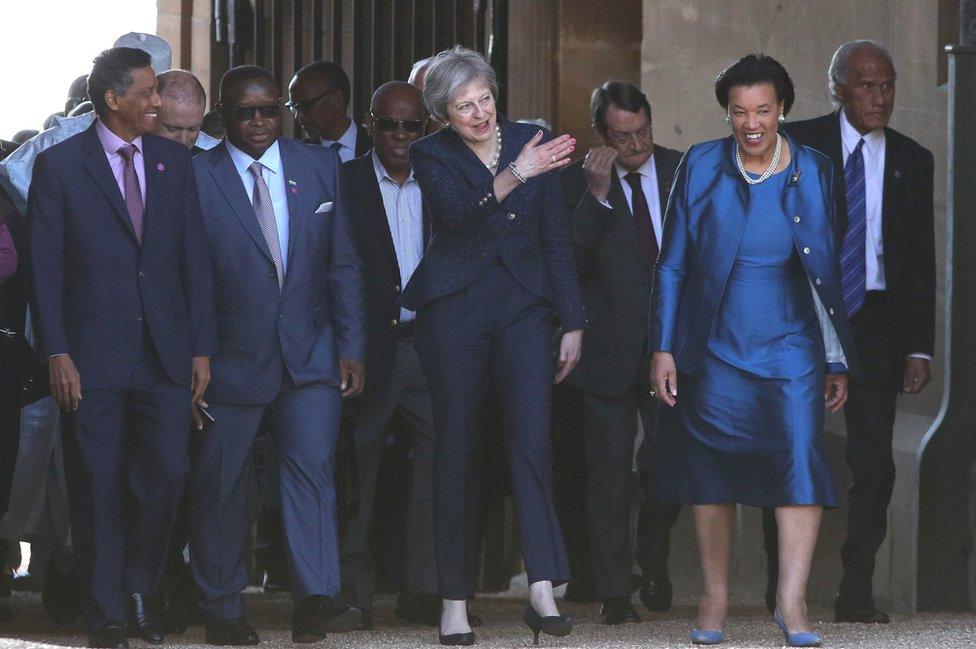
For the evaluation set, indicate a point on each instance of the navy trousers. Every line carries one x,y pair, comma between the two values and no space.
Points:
304,422
125,456
495,328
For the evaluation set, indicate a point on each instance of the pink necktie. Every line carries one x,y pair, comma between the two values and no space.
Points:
133,193
264,210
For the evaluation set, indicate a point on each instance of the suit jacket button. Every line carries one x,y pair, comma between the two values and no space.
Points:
818,282
831,311
806,251
511,216
281,316
142,273
796,219
397,288
139,318
394,322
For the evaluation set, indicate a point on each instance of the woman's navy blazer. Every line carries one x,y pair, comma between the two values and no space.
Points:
703,226
527,230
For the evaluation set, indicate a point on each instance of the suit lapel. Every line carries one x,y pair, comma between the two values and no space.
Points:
229,183
893,175
369,190
296,180
665,178
96,164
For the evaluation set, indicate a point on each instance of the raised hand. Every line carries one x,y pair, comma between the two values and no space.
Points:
597,167
536,159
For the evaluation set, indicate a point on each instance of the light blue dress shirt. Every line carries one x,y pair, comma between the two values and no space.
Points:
347,141
274,176
404,214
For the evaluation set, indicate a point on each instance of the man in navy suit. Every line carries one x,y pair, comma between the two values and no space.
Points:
123,305
291,341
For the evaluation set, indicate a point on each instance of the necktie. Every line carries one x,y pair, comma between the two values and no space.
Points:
133,192
853,270
264,210
642,217
337,147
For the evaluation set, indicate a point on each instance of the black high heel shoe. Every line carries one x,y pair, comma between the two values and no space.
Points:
557,625
458,639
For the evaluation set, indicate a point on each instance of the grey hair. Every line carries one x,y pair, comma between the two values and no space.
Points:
840,63
417,67
448,72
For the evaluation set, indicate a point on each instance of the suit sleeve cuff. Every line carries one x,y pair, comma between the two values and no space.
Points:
837,368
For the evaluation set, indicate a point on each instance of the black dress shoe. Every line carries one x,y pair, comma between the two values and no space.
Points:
860,612
365,620
110,635
317,615
618,610
231,633
458,639
656,593
141,621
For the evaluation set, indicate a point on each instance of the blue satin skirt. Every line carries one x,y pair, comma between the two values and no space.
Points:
748,424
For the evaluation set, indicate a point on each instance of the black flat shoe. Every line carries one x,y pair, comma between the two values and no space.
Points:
618,610
557,625
656,593
458,639
141,620
111,635
231,633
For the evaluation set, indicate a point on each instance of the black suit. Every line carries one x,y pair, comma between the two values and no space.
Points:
615,279
893,324
364,143
395,384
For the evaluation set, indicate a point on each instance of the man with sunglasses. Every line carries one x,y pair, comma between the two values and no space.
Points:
318,97
290,333
391,232
615,199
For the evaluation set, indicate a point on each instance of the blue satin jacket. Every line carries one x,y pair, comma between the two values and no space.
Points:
703,226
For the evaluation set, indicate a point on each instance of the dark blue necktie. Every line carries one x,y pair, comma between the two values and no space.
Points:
853,270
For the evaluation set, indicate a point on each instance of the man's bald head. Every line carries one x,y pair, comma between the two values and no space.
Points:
394,91
182,105
396,120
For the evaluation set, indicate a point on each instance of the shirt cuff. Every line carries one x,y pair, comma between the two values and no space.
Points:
927,357
606,203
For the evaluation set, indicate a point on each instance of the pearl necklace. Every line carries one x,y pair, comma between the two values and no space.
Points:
769,170
498,149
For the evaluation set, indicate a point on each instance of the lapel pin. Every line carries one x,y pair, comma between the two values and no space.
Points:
160,166
897,173
293,186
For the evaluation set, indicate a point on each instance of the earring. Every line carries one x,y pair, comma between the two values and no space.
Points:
782,118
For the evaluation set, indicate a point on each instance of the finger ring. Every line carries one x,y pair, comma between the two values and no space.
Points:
553,159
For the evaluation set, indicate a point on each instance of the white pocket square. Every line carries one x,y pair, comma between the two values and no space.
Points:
324,208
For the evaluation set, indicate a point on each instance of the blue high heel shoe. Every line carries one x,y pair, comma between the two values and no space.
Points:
699,636
801,639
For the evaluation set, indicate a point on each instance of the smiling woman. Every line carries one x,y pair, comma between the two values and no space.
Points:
49,34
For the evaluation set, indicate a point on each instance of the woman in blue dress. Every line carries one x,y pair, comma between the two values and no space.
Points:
748,318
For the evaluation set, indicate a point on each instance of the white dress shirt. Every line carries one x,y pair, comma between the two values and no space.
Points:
403,205
873,153
274,176
347,141
652,194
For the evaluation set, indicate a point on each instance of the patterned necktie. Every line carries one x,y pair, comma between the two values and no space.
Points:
133,192
264,210
337,147
642,217
853,268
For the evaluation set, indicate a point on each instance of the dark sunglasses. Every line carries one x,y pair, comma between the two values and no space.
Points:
388,124
245,113
306,104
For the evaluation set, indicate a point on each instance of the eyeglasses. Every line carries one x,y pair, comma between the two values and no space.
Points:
246,113
388,124
618,137
306,104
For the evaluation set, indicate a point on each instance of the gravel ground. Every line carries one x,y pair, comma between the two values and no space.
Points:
748,627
